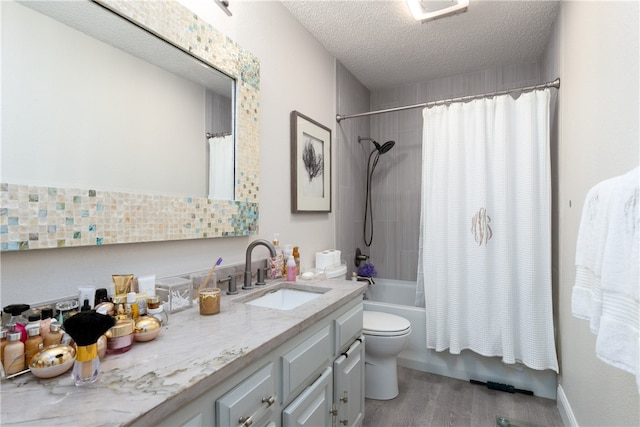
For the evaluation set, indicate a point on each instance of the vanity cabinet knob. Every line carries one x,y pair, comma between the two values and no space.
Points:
245,421
269,400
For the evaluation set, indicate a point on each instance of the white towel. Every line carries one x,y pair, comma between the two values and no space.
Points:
221,168
607,288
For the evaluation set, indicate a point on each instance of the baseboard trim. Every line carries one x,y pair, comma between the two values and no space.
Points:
564,408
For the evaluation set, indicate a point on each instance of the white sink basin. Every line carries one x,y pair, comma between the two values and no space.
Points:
284,299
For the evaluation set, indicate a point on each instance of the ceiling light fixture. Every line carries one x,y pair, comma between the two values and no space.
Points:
428,10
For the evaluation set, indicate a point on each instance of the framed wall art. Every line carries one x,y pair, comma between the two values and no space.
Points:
310,165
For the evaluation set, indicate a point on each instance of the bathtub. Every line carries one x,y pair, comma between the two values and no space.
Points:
398,297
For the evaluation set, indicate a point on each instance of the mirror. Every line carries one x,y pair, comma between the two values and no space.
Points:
161,145
130,106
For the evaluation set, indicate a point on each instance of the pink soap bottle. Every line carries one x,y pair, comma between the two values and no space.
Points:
291,269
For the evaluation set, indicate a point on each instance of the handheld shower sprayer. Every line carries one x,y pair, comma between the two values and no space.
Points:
368,209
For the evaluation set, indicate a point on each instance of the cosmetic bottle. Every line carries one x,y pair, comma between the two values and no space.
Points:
132,306
16,310
287,252
45,323
54,336
153,302
3,343
159,314
291,269
101,296
296,257
276,264
34,320
14,354
120,337
33,345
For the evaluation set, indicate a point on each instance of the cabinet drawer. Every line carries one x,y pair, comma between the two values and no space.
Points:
314,406
348,327
250,401
305,361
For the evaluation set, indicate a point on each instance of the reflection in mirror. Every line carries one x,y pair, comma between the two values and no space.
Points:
56,195
92,101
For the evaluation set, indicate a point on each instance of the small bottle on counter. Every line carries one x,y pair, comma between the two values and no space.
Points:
159,314
291,269
47,316
288,251
296,257
54,336
132,306
33,345
14,354
16,310
3,343
153,302
101,296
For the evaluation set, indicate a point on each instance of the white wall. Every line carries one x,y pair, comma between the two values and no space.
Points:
296,74
595,52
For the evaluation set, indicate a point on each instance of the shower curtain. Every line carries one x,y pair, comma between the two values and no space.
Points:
484,271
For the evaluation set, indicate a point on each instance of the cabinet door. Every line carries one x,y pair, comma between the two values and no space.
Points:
348,385
313,407
306,360
250,402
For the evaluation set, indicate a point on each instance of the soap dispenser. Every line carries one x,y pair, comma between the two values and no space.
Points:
276,264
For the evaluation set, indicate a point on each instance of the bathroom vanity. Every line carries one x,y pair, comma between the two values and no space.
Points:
247,365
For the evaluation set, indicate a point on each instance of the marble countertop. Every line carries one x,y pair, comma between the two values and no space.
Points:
192,354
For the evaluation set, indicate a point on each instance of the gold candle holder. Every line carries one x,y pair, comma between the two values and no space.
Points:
209,300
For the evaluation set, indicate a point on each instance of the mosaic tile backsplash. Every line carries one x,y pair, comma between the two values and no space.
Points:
34,217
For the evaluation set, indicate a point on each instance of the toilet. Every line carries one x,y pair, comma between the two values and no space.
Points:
386,335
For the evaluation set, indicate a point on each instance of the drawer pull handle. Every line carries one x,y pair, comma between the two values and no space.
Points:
344,398
246,421
269,400
344,422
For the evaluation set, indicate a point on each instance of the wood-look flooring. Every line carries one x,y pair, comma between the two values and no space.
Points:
427,400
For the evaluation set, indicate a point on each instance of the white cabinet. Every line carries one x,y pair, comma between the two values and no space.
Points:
348,385
305,361
315,378
250,402
314,406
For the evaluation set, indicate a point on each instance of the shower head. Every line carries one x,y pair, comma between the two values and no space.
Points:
381,148
385,147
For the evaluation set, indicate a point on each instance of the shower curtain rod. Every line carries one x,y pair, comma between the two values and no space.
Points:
554,84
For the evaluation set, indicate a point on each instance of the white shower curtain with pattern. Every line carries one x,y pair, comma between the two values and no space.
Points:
484,271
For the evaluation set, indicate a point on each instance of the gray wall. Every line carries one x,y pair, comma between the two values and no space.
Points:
352,97
594,50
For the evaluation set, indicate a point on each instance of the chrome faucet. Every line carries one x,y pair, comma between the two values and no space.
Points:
247,267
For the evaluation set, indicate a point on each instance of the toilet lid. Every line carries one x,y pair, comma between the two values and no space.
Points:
384,324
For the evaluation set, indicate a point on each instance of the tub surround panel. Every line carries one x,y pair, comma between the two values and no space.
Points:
191,355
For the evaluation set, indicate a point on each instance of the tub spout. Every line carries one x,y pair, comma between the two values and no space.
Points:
247,266
367,279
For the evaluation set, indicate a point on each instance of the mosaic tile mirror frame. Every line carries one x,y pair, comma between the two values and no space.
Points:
37,217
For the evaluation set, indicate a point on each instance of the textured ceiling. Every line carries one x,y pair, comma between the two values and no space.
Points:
383,46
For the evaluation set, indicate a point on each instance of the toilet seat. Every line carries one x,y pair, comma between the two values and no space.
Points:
384,324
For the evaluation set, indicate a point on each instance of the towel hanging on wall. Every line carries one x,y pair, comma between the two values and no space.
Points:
607,286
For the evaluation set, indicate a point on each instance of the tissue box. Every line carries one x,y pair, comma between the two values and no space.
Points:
176,293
